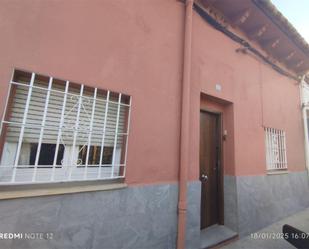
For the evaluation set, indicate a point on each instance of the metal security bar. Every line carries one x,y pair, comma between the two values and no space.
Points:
275,149
54,131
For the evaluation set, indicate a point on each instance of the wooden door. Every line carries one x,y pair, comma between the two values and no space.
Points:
209,168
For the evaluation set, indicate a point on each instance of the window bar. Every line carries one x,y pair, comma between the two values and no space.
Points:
280,149
271,148
60,128
116,135
284,148
127,140
21,135
279,166
90,131
307,123
267,147
42,129
72,162
6,103
276,148
103,136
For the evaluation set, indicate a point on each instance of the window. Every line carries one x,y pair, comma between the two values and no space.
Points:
54,130
275,149
94,155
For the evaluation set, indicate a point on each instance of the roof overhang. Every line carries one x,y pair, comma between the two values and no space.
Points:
263,24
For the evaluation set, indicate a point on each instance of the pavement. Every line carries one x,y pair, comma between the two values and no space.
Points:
215,234
271,237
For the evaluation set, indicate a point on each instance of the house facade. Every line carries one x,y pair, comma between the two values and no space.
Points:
139,124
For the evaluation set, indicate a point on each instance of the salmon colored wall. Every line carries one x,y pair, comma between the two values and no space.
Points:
226,111
260,96
136,47
133,47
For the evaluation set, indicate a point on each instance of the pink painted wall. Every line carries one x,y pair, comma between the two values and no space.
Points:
226,111
135,47
260,96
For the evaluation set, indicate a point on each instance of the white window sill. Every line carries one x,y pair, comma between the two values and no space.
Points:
277,172
23,191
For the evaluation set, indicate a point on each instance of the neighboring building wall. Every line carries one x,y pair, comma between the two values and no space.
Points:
252,96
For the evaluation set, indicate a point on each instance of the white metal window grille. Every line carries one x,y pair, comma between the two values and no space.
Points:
275,149
305,95
54,130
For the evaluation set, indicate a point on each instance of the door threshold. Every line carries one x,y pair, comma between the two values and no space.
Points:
216,235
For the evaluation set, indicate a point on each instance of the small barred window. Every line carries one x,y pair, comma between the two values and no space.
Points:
275,149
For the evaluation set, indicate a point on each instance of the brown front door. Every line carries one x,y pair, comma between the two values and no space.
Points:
210,154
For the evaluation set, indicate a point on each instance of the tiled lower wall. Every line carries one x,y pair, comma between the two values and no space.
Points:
230,203
193,215
136,217
145,217
253,202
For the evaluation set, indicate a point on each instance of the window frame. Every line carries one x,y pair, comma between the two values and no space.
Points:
6,121
275,150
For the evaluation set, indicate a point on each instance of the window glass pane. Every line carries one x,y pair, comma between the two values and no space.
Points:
94,155
41,81
47,154
21,76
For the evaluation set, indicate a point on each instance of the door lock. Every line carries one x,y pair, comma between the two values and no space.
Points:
204,177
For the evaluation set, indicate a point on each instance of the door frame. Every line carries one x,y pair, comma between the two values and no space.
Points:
219,114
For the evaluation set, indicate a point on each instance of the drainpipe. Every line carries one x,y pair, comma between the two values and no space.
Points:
304,114
185,128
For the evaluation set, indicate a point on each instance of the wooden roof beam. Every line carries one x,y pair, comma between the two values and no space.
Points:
290,56
271,44
241,17
299,64
258,32
295,64
302,68
275,43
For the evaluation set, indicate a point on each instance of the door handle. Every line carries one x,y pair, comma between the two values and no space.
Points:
204,177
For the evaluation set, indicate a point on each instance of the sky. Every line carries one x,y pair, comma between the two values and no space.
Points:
297,12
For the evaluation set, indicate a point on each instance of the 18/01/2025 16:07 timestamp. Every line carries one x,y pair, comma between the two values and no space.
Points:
279,236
